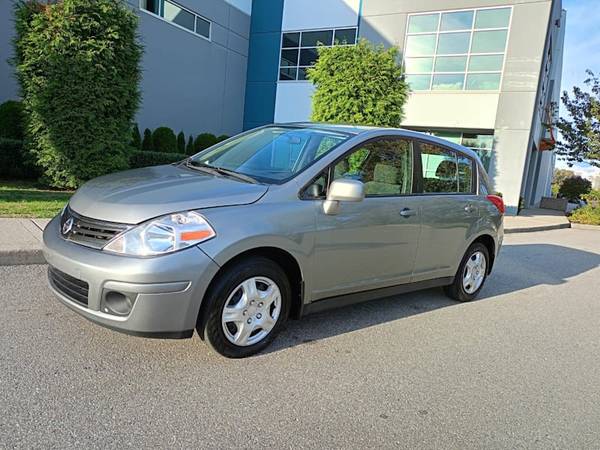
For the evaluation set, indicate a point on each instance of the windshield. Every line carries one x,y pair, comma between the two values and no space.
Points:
272,154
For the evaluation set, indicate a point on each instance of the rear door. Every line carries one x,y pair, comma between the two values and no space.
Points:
449,209
369,244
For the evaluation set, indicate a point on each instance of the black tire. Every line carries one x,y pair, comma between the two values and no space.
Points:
456,290
210,327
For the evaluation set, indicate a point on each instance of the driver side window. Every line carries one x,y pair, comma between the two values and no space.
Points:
385,166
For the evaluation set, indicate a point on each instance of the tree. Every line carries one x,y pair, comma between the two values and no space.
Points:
78,66
573,188
204,140
359,85
136,138
189,148
164,140
147,144
580,131
181,142
559,176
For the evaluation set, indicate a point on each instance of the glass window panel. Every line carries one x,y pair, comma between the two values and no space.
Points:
202,27
422,45
440,169
308,56
451,82
481,141
313,38
419,82
465,175
345,36
492,18
423,23
453,43
384,166
287,73
290,40
462,20
483,82
486,158
485,63
418,65
450,64
151,5
289,57
489,41
181,17
302,75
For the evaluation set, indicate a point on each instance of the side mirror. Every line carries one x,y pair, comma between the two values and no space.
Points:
343,190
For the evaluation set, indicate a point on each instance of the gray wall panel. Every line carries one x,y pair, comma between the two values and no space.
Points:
9,89
239,22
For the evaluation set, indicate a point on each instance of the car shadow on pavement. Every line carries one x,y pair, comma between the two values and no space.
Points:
518,267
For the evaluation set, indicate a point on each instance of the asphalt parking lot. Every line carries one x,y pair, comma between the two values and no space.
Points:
519,368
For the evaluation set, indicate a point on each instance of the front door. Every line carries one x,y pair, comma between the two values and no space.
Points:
370,244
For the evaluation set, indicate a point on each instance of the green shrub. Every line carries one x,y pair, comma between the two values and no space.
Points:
358,84
592,198
223,137
136,138
204,140
11,120
181,142
14,162
574,187
147,143
145,158
587,215
164,140
189,148
78,65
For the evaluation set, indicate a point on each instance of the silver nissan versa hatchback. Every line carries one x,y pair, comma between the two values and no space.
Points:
277,222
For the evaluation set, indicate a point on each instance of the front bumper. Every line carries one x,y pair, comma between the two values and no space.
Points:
166,291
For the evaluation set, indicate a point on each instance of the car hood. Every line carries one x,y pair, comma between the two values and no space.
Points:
137,195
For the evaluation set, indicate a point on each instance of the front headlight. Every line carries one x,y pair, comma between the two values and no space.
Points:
163,235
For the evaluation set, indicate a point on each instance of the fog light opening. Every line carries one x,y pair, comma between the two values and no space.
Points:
117,303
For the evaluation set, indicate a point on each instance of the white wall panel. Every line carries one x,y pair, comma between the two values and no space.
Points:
451,110
308,14
293,102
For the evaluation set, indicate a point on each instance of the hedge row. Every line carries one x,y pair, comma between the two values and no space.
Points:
164,140
141,158
13,161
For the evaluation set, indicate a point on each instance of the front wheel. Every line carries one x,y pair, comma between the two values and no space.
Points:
246,308
471,274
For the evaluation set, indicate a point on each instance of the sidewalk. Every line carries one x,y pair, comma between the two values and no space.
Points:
21,241
536,219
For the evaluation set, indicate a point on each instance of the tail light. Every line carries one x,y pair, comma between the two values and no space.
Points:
498,203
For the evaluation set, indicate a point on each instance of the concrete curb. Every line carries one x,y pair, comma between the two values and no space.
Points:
583,226
534,229
21,257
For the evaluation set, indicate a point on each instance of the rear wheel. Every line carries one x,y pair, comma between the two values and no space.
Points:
471,274
247,306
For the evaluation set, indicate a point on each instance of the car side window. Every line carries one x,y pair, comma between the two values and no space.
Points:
385,166
445,171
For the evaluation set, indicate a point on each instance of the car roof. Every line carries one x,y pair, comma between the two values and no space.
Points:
360,129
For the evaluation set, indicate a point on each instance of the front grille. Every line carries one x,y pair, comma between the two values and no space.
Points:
89,232
70,286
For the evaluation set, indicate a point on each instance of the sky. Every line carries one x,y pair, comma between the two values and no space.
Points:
582,51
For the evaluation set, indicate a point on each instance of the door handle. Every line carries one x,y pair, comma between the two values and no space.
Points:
407,212
469,208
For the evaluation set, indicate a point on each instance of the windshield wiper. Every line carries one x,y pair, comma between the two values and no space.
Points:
220,170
